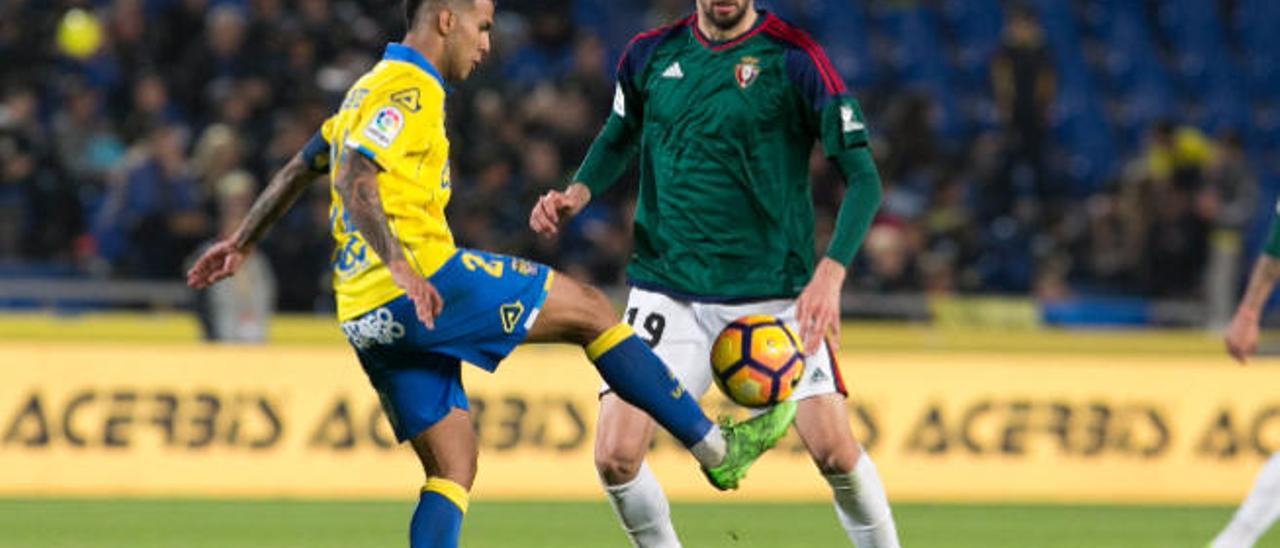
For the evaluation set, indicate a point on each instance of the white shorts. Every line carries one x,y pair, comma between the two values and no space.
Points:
681,334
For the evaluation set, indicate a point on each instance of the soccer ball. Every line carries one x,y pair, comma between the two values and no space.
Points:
756,361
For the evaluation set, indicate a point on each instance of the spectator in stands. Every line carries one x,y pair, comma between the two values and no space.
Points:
133,51
86,143
210,69
239,308
216,155
155,218
151,107
589,74
35,190
1178,226
1231,193
890,259
975,213
18,168
547,56
1112,255
1025,84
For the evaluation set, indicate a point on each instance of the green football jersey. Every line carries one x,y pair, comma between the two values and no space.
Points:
723,132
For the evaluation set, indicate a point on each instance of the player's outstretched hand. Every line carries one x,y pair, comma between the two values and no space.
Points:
1242,336
818,308
556,207
427,302
220,261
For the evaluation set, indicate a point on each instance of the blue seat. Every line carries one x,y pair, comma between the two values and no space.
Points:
975,27
918,62
1201,57
841,27
1080,125
1254,23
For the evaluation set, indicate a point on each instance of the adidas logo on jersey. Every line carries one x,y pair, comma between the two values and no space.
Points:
673,71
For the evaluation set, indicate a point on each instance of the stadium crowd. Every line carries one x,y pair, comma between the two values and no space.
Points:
121,163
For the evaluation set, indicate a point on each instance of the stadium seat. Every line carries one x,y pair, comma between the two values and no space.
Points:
919,62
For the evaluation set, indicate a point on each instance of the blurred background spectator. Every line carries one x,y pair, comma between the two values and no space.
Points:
1046,148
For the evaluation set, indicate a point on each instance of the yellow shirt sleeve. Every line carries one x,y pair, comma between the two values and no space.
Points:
396,123
326,129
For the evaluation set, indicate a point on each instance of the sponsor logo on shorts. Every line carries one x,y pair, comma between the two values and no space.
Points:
377,327
819,376
523,266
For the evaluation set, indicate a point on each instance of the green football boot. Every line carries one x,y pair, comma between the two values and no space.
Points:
746,441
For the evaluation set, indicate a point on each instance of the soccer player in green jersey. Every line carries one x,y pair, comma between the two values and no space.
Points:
1262,507
723,109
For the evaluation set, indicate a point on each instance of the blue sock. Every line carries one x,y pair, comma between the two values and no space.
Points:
438,519
636,374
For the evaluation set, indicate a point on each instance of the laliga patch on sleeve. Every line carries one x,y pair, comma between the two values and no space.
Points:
619,101
385,126
853,129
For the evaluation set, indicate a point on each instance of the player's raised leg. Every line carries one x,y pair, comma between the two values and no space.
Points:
448,454
860,503
580,314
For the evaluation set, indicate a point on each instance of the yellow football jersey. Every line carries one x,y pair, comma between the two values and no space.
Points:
393,115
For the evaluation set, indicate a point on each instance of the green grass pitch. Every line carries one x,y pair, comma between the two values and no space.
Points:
133,523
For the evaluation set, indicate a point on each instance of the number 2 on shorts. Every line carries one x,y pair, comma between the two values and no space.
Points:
473,261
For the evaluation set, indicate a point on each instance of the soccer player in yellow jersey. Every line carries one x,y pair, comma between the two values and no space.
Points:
414,306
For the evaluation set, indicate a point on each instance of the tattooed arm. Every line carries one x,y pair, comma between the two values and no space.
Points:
357,186
225,257
285,188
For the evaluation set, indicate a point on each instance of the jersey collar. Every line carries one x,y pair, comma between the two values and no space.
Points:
400,52
763,17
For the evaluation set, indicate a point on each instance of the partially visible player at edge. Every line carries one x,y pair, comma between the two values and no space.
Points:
414,306
1261,508
723,109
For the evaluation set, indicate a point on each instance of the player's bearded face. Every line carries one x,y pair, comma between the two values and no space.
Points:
468,42
724,14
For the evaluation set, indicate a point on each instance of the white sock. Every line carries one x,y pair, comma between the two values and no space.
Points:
1259,510
642,508
862,507
710,451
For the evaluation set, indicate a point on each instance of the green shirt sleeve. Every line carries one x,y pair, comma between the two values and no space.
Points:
1273,241
611,153
845,142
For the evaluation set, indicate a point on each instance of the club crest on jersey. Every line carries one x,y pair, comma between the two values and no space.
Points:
385,126
746,71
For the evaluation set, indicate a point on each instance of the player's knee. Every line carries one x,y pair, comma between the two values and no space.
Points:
837,460
460,469
596,315
617,465
463,472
